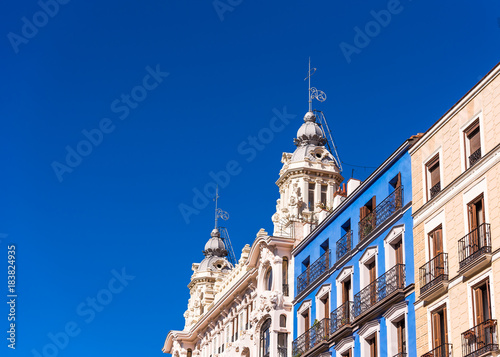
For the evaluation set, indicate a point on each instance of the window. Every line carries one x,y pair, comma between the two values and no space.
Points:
324,247
433,177
312,187
395,187
268,279
284,271
283,321
436,242
265,339
476,213
372,274
472,144
439,330
189,352
347,353
367,221
482,304
323,302
324,190
282,344
372,343
401,335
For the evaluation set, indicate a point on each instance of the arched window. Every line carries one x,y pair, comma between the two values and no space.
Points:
190,353
282,321
268,279
265,339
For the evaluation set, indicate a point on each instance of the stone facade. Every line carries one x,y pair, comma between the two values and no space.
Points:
448,274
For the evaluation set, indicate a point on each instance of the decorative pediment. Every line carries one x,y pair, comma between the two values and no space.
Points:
325,289
394,233
345,273
369,253
304,306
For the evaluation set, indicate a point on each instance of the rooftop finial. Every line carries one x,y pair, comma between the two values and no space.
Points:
313,92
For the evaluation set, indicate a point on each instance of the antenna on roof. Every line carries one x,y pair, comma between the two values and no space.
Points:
329,138
224,235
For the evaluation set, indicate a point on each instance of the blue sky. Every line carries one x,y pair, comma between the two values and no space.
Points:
106,224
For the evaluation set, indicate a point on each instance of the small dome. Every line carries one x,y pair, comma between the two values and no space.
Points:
215,246
310,117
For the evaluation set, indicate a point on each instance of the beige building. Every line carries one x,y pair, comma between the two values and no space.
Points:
456,211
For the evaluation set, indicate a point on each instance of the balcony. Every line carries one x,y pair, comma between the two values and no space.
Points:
313,337
384,210
434,276
344,245
282,352
435,190
474,157
474,250
445,350
285,290
480,339
381,288
313,272
341,317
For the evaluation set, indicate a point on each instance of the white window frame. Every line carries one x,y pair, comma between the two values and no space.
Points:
488,274
395,314
306,305
325,290
480,188
369,254
425,174
436,306
464,164
344,346
346,273
390,254
429,226
367,332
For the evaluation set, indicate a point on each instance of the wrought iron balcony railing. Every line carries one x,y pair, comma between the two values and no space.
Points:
312,337
474,244
433,272
341,316
401,354
314,271
344,245
384,210
285,290
480,339
378,290
445,350
282,352
474,157
435,189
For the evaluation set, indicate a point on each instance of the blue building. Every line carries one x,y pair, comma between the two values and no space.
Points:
354,272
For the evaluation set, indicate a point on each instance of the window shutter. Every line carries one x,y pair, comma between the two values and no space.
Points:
436,330
479,312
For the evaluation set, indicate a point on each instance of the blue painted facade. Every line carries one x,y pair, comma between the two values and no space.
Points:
399,224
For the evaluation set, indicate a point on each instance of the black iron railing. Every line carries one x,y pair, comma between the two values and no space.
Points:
474,157
435,189
314,271
312,337
386,284
433,272
400,354
282,352
480,339
342,316
285,290
445,350
384,210
474,244
344,245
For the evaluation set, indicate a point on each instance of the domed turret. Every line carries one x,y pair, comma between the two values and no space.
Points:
215,254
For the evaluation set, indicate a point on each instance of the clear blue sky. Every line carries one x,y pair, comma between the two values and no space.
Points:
119,205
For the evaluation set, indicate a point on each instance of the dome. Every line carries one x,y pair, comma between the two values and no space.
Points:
215,246
310,133
213,263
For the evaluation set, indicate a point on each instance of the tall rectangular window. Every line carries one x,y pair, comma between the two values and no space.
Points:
372,343
482,303
312,187
401,332
324,190
472,144
433,177
439,328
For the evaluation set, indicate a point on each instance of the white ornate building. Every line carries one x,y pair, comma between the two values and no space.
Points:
246,309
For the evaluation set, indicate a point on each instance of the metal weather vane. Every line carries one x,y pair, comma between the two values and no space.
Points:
219,213
314,93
